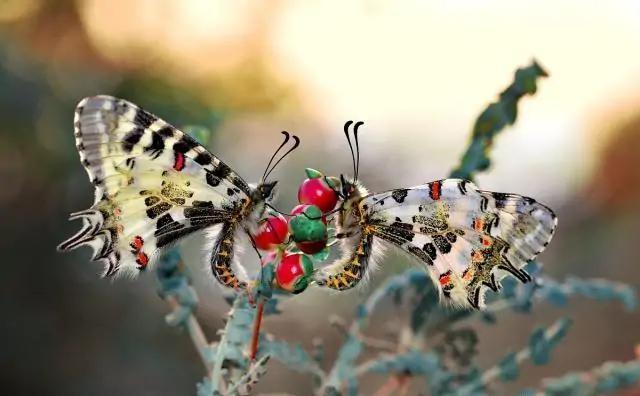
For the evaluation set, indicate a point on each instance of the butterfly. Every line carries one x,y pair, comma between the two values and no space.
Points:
154,185
467,239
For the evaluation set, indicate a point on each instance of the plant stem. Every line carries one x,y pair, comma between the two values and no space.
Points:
256,330
195,332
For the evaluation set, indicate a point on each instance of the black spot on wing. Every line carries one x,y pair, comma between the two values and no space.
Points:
451,237
432,224
484,202
131,139
166,132
500,199
169,230
441,243
202,204
203,158
419,253
399,195
203,213
430,249
144,119
212,179
402,230
158,209
221,171
185,144
462,186
157,144
165,224
152,200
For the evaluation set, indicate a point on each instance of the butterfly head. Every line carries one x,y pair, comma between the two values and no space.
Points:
350,189
347,187
266,191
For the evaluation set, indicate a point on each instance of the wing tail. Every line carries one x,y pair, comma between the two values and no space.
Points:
94,234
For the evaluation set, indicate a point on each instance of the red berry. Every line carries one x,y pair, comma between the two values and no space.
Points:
317,192
272,232
293,272
310,247
301,208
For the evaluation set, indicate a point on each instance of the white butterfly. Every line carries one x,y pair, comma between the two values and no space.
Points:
467,239
153,185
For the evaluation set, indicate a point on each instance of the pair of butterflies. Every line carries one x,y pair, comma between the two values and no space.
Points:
154,185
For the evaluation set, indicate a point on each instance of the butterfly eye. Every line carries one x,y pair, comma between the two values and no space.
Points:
267,189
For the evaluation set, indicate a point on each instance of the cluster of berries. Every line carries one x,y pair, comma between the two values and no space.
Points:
289,243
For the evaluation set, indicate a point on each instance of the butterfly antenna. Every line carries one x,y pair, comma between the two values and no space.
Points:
353,157
286,139
355,137
295,146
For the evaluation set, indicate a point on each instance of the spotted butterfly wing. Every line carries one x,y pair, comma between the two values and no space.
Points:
468,239
153,185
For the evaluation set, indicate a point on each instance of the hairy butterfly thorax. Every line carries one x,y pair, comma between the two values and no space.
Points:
466,238
154,185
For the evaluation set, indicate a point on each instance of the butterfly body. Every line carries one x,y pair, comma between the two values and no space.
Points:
356,242
154,185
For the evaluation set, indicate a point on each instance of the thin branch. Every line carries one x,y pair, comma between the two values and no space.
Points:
195,332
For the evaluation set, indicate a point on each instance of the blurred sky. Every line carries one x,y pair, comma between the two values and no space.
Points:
417,72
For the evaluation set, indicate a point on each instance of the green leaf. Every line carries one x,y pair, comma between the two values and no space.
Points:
509,369
494,119
312,173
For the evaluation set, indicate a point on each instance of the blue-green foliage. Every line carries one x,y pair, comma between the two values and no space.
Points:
449,365
495,118
609,377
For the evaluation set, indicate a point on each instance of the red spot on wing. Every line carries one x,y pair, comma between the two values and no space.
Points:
137,243
179,162
478,224
435,190
445,278
142,259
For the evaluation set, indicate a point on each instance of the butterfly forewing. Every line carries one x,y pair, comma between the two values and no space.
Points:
153,184
467,238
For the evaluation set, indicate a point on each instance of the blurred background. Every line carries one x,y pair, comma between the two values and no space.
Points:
417,72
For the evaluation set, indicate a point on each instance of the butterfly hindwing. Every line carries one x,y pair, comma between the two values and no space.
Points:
467,238
153,184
